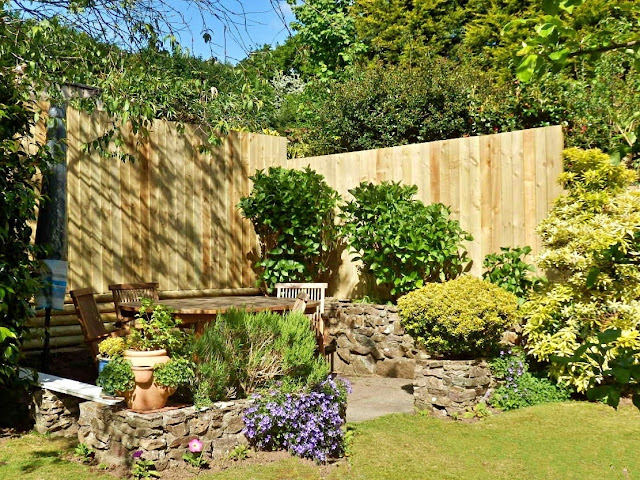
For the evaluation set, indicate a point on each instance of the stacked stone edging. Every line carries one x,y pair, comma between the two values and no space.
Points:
445,387
164,436
55,413
370,340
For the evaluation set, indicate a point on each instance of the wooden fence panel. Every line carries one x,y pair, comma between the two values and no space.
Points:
499,186
171,216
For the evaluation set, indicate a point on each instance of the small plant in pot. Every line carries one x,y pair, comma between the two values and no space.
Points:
108,349
155,345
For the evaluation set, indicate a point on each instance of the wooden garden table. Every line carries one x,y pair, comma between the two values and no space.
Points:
198,311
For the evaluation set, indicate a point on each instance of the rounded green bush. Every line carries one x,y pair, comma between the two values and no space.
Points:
464,317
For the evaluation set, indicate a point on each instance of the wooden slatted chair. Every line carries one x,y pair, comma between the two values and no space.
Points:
131,292
90,319
315,292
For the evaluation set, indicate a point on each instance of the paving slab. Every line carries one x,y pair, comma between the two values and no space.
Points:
374,397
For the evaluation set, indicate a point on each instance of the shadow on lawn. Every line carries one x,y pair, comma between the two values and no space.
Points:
41,458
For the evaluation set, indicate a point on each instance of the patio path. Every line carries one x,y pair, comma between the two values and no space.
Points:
377,396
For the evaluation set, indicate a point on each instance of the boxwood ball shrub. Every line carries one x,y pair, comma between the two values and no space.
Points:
293,213
461,318
591,249
399,240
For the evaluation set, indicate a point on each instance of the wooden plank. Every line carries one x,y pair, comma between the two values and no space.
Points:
434,171
74,199
529,187
70,387
555,144
445,173
196,278
96,220
145,187
495,202
506,203
206,195
475,205
541,179
455,189
517,185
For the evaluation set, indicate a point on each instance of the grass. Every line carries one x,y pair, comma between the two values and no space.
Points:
574,440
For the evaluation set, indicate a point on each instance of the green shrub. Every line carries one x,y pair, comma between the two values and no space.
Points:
509,271
175,373
116,376
519,387
402,242
242,352
591,247
464,317
386,105
292,212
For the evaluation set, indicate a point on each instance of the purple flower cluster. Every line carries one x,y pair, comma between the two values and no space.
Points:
308,424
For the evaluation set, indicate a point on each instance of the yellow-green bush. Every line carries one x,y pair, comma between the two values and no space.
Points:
591,250
464,317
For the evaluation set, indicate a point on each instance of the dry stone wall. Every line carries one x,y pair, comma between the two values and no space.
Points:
55,413
115,435
370,340
446,387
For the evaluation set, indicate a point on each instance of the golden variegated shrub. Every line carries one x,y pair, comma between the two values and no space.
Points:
465,317
591,252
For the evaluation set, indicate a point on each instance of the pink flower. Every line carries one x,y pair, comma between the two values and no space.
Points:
137,454
195,446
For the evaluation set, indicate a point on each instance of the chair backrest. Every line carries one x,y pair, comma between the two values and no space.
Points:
89,317
316,291
132,292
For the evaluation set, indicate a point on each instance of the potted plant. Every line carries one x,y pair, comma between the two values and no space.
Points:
116,377
108,349
153,342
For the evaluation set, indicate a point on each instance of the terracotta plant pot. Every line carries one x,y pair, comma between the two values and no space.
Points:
146,395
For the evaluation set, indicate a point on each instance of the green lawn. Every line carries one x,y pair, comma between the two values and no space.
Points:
560,441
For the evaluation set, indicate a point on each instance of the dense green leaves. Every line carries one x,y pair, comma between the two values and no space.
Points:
399,240
465,317
19,164
292,212
509,270
591,247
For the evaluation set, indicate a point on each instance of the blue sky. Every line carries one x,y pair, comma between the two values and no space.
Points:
253,24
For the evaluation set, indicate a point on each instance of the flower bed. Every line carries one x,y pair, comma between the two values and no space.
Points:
308,424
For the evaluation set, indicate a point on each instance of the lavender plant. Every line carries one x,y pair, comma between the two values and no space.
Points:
519,387
308,424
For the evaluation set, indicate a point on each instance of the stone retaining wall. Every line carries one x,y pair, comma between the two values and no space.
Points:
445,387
164,436
370,340
55,413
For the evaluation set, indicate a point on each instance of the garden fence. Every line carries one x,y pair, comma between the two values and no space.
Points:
172,215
